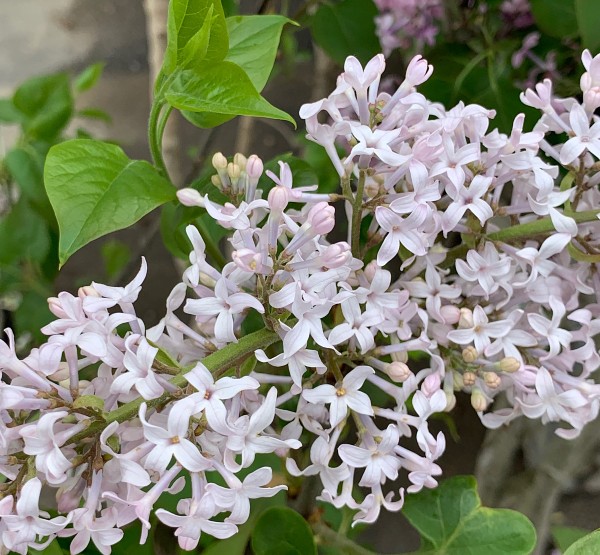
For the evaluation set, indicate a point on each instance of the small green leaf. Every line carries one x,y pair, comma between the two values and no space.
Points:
88,77
46,104
185,19
282,531
221,88
95,189
556,18
452,521
9,113
588,545
195,49
347,28
94,113
588,19
565,536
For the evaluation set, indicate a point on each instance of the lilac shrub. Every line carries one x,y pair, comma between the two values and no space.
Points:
496,237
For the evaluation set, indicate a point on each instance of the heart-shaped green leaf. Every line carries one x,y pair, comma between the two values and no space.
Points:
452,521
282,531
220,88
95,189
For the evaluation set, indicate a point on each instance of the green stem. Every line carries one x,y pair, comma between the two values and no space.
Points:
217,363
357,213
541,226
155,138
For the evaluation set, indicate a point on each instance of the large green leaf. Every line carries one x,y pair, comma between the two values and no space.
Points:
95,189
46,104
253,44
452,521
282,531
555,17
185,24
588,545
347,28
588,19
221,88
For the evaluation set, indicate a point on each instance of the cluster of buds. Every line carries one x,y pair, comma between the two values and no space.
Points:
111,416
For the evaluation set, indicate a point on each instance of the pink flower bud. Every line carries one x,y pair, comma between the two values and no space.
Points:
450,314
418,71
219,161
321,217
336,255
398,371
278,199
56,308
370,270
87,291
591,98
254,167
190,197
431,384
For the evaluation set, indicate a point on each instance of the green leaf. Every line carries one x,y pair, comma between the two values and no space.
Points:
185,19
195,49
588,545
556,18
88,77
9,113
23,235
33,313
52,549
565,536
347,28
95,189
26,166
46,104
282,531
253,44
588,19
221,88
452,521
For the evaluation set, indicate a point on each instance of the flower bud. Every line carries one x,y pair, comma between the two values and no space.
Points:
87,291
370,270
56,308
450,314
321,217
240,160
278,199
470,354
450,401
478,400
508,364
234,171
219,161
190,197
431,384
492,380
336,255
458,380
466,318
254,167
371,189
418,71
469,379
398,371
216,181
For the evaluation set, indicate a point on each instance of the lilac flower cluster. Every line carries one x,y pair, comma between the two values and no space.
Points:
495,294
408,24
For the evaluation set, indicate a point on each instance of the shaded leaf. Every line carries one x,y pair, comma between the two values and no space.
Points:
588,545
556,18
347,28
46,104
23,235
588,20
88,77
281,530
452,521
116,255
565,536
95,189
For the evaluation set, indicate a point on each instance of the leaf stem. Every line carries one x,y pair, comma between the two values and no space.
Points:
357,213
155,137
